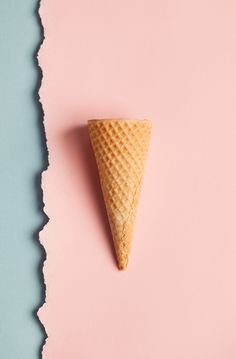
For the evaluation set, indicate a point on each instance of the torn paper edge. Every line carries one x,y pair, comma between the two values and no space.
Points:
45,160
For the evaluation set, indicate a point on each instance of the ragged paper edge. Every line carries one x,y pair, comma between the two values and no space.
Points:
45,154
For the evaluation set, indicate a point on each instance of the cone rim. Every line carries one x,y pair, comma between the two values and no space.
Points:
107,120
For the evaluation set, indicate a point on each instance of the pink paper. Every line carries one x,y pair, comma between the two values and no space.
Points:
174,63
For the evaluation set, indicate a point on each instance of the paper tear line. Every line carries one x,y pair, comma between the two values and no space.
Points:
45,155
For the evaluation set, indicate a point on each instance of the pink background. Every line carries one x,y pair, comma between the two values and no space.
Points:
173,62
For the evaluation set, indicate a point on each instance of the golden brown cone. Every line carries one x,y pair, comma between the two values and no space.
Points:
120,147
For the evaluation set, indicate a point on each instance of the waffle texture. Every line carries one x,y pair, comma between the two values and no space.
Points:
120,147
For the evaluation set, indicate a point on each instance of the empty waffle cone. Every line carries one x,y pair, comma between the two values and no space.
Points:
120,147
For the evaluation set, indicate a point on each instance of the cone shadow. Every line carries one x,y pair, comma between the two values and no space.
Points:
79,150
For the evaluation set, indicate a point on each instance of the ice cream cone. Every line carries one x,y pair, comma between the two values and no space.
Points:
120,147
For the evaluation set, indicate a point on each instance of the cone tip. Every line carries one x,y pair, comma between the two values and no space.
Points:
122,264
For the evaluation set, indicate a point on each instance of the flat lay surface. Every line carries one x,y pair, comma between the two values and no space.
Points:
21,158
173,63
